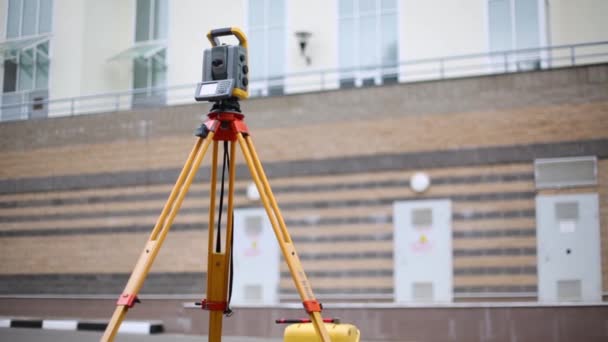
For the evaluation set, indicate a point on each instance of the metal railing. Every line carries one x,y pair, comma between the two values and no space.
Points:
20,106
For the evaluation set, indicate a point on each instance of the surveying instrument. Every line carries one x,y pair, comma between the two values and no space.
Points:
225,82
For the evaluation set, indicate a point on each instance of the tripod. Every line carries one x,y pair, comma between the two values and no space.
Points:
225,123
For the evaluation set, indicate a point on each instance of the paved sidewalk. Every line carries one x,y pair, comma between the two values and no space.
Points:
39,335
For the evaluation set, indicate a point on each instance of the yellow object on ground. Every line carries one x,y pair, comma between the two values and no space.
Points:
305,332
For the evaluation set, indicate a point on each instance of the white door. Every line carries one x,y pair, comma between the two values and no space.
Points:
568,244
423,251
256,259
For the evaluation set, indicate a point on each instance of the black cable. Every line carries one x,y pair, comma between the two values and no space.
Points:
231,276
218,240
228,312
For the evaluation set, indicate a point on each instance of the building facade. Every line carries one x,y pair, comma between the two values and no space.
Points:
62,57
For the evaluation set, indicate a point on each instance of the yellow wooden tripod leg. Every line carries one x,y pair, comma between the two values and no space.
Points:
152,247
214,261
280,229
219,261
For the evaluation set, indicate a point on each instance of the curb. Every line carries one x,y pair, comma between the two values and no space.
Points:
129,327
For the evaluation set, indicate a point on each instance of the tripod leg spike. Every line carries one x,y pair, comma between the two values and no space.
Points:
278,224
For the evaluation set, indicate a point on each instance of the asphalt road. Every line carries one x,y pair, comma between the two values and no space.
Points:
39,335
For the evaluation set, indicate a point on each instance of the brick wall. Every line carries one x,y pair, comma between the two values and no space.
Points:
79,195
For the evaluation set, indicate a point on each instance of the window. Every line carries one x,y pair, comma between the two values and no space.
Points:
28,70
515,25
368,50
28,18
267,37
27,65
26,59
150,69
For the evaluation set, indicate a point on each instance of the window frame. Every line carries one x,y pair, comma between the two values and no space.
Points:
37,20
152,33
34,48
270,85
497,61
140,94
378,72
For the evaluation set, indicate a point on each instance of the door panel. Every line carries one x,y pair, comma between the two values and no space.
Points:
568,249
423,251
256,259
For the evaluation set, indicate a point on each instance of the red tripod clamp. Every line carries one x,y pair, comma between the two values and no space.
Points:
212,306
127,300
312,306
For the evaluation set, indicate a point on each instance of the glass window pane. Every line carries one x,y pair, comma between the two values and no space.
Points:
28,26
140,73
26,70
367,6
276,57
257,56
44,48
388,36
10,76
500,25
526,24
389,5
142,24
14,18
347,8
159,70
160,19
256,13
367,41
347,43
42,67
266,31
276,13
46,16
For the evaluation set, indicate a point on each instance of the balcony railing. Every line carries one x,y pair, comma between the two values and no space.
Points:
20,106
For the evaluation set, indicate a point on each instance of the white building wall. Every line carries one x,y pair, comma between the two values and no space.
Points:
439,28
579,21
189,22
86,34
109,29
66,52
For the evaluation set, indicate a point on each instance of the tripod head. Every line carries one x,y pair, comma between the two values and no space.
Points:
228,105
225,119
